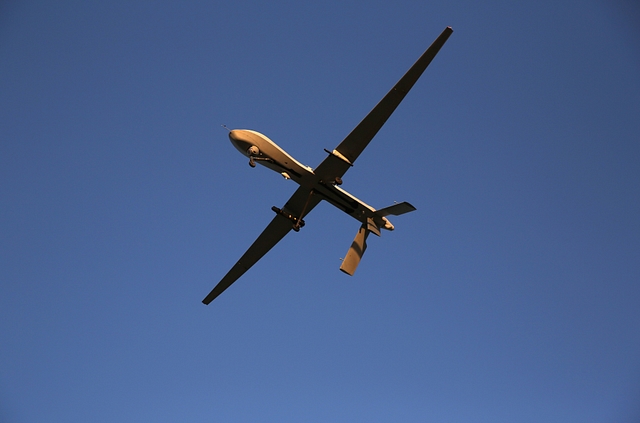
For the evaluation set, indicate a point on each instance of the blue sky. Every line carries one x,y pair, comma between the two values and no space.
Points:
510,295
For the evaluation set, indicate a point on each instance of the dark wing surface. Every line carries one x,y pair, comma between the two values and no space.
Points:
351,147
273,233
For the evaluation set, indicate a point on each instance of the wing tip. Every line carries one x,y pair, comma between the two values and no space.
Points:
212,296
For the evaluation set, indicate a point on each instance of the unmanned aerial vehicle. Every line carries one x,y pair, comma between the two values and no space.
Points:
323,182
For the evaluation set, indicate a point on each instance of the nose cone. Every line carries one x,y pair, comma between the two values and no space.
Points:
238,140
233,134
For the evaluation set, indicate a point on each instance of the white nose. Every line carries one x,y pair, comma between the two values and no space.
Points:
241,140
234,135
237,139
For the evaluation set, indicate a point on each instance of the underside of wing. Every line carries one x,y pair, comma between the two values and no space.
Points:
274,232
300,203
345,154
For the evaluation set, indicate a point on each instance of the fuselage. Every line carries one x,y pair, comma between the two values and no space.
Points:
260,149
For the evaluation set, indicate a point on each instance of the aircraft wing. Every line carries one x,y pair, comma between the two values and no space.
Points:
335,165
273,233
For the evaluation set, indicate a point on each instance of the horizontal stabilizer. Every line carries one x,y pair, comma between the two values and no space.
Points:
396,209
356,251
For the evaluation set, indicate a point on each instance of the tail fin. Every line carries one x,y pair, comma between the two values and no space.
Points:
356,251
396,209
373,225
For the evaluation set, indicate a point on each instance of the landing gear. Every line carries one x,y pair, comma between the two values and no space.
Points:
254,159
297,223
252,152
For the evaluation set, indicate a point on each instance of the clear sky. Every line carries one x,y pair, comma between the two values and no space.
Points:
511,295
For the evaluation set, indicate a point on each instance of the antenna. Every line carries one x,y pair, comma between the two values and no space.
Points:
225,127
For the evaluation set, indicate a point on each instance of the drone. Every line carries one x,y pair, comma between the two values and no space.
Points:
323,182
